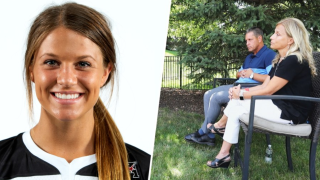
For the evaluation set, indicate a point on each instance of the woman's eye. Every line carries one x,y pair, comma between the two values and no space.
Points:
51,62
83,64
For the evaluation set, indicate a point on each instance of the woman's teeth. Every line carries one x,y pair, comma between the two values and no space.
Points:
66,96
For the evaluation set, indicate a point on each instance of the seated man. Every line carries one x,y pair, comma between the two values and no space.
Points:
254,69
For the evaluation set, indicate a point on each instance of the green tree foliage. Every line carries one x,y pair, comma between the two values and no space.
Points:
210,33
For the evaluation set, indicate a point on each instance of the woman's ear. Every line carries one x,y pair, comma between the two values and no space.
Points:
291,41
31,74
106,74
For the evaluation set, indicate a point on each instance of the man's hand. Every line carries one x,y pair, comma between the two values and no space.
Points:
246,73
241,73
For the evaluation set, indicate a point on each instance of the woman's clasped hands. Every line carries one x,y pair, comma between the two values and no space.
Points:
234,92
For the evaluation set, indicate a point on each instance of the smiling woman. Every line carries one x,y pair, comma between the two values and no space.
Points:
70,56
69,72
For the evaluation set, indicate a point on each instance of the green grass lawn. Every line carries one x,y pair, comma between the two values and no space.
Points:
174,158
171,53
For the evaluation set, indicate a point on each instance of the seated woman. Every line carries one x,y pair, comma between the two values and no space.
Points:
70,56
291,75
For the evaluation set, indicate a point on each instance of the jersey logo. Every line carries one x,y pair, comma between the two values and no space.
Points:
133,169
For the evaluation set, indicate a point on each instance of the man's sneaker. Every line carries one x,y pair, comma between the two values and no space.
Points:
204,139
189,136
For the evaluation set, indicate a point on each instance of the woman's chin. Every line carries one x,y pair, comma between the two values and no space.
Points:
66,114
67,118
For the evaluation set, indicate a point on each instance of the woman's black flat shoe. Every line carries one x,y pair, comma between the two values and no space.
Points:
218,131
220,163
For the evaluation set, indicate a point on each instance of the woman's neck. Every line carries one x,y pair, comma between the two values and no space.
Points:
283,53
66,139
281,58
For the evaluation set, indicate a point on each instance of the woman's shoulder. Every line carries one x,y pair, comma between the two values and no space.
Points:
10,145
136,151
292,60
10,152
139,162
292,57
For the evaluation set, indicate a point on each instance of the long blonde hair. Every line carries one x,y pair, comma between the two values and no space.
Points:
110,149
301,46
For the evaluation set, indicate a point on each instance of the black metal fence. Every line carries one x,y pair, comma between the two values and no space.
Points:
175,75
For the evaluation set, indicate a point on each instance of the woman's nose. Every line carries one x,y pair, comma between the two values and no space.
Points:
67,76
271,37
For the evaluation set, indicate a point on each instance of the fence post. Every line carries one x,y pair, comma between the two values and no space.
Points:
180,72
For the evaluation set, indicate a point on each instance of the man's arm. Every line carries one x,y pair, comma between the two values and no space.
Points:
256,76
259,77
268,61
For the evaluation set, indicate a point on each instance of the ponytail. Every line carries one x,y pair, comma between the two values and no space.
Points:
110,149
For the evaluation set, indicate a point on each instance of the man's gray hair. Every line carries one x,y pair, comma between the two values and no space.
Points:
256,31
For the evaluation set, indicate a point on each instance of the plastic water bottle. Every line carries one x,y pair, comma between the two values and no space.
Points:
268,157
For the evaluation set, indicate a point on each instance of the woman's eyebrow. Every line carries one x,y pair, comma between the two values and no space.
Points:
80,57
86,56
49,54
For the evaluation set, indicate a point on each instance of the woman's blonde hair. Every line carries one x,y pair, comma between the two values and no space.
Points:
301,46
110,149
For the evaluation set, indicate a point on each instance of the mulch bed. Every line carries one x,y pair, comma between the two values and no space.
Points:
181,99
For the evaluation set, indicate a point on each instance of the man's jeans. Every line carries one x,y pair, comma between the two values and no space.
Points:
213,100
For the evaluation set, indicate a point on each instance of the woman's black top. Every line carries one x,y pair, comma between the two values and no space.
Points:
299,83
21,158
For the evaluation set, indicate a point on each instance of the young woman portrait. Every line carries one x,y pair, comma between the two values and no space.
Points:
70,56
